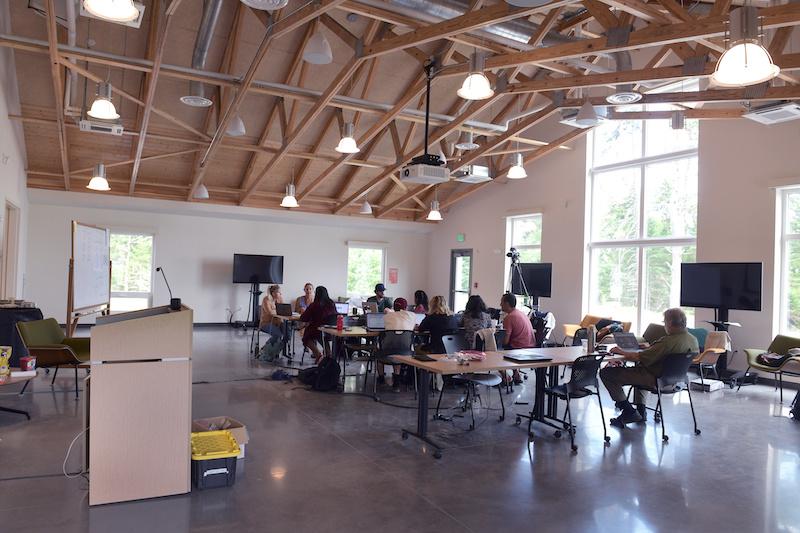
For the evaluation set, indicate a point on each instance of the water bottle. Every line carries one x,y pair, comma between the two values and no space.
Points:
340,322
591,335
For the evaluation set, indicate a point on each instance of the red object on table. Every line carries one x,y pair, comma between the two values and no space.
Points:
27,363
340,322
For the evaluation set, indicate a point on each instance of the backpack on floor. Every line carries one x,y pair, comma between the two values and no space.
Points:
308,376
327,375
271,351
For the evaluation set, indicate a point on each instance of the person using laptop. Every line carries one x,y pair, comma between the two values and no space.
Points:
420,302
615,376
399,319
302,302
269,322
382,301
519,331
475,318
440,321
316,315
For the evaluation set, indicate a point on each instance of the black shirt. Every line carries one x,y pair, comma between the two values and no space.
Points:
438,325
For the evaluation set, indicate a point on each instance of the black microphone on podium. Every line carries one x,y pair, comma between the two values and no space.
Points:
174,303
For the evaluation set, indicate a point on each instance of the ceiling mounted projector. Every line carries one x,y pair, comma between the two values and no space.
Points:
266,5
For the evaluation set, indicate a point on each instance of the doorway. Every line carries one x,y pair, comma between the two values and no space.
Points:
9,252
460,278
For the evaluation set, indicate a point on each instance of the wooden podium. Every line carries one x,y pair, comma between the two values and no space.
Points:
140,405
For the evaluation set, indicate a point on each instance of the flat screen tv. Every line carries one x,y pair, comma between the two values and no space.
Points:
257,268
721,286
537,276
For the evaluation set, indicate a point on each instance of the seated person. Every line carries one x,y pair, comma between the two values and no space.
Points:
615,376
316,315
400,319
440,321
269,321
420,302
305,300
518,328
475,318
380,298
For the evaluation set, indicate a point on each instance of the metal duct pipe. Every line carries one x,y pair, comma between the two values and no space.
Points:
211,11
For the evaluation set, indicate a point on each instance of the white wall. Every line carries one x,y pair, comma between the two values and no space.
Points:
740,162
555,187
195,244
12,150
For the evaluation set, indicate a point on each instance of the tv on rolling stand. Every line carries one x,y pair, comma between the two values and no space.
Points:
538,278
254,270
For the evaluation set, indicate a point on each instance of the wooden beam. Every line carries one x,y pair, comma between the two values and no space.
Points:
721,7
58,90
788,92
340,31
467,22
151,93
411,194
676,10
601,13
780,40
333,88
286,25
640,9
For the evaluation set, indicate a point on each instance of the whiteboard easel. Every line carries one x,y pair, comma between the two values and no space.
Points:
89,284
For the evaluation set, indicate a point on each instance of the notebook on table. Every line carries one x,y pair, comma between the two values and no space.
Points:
627,342
525,356
283,309
376,322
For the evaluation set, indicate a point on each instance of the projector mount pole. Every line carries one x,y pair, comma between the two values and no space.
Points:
429,66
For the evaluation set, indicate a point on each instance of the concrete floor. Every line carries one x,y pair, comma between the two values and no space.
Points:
322,462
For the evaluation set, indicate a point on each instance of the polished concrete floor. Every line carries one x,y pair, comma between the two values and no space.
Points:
323,462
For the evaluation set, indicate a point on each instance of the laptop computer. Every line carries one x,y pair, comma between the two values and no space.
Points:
376,322
283,309
370,307
342,308
627,342
525,356
419,317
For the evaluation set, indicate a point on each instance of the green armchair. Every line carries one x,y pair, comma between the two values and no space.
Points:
780,345
46,341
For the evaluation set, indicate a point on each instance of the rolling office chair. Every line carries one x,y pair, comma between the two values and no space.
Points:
583,375
674,368
470,380
390,343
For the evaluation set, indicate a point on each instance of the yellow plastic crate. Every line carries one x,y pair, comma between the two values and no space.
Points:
213,445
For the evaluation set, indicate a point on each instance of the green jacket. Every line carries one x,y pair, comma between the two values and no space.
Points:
383,303
680,342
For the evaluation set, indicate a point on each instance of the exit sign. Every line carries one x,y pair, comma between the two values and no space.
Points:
460,237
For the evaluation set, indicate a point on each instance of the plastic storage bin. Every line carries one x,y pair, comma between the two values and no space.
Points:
214,459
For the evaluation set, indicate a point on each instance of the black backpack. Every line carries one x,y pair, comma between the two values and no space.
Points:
308,376
324,377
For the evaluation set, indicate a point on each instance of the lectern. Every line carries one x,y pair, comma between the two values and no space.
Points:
140,403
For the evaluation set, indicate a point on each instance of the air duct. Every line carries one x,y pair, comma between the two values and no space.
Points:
211,10
623,94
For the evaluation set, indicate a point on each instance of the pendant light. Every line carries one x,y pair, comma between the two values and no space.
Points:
235,127
366,209
99,181
476,86
347,144
517,172
434,214
201,192
587,116
266,5
102,107
746,61
112,10
318,49
468,142
289,201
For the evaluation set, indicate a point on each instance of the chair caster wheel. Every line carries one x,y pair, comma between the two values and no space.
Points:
518,421
530,436
696,431
404,435
437,454
565,425
574,450
607,439
501,418
665,438
557,434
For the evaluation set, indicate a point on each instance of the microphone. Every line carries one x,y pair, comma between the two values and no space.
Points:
174,303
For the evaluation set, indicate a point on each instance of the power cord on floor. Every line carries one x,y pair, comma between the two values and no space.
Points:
69,451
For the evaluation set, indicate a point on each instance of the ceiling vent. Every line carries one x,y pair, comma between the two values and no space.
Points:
135,23
775,113
472,174
95,126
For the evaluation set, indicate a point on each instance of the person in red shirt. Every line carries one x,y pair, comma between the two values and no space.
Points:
317,314
519,331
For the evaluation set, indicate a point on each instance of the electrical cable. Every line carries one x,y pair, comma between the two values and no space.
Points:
69,451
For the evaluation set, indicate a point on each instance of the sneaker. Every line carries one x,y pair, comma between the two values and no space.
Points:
627,417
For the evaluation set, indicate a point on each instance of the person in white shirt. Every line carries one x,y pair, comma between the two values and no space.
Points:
400,319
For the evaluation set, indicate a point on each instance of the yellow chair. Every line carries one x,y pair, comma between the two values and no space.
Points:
589,320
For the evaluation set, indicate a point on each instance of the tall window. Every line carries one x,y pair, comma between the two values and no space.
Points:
789,315
525,234
131,271
642,217
366,264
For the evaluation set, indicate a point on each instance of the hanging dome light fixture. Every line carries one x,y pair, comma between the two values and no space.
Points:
347,144
746,61
112,10
366,209
102,107
476,86
318,50
99,181
517,172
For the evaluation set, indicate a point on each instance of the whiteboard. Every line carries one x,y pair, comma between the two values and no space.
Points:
91,283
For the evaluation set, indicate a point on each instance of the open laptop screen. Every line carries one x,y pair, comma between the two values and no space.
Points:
376,321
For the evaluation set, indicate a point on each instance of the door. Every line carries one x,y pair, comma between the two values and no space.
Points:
9,252
460,278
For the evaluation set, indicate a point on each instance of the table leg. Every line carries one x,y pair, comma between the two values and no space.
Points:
15,411
422,414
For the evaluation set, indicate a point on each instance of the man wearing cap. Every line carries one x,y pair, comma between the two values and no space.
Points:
380,298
